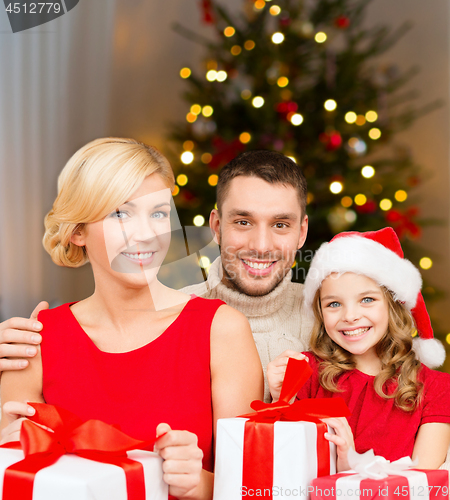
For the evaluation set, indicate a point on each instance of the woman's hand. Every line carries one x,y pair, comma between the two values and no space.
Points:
276,370
343,439
182,465
14,413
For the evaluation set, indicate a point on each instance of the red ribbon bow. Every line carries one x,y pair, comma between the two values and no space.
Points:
94,440
259,430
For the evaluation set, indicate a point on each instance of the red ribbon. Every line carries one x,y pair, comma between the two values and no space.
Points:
259,429
94,440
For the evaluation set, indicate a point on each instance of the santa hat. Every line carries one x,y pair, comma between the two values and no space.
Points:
379,256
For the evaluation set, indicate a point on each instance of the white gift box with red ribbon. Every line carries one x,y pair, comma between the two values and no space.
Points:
76,478
375,477
294,456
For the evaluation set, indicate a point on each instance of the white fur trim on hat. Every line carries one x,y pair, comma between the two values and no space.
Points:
430,352
359,255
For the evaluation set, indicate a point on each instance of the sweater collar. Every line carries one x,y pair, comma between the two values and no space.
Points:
250,306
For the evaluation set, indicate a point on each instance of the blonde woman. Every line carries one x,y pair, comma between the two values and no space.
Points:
153,359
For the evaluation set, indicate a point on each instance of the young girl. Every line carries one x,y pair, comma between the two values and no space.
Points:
134,353
367,304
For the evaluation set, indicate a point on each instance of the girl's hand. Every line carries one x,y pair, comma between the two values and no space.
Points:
182,464
14,413
343,439
276,370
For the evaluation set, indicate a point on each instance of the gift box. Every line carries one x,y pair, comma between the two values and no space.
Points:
380,479
75,478
78,460
279,448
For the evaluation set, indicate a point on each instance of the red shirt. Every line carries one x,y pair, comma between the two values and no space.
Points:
377,422
167,380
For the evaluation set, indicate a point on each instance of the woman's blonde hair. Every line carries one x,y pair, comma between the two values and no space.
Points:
95,181
399,367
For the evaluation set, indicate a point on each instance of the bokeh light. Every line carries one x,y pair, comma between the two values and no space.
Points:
277,38
258,102
425,263
182,180
320,37
368,171
330,105
360,199
385,204
374,133
199,220
245,137
185,72
296,119
336,187
350,117
401,195
212,179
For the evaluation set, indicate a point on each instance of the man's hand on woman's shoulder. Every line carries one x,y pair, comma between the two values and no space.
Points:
19,338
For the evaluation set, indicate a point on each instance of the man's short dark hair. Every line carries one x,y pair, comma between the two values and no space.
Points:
270,166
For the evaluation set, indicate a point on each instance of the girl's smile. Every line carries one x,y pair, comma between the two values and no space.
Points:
355,314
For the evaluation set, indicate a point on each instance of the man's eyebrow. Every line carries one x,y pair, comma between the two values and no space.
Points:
240,212
286,215
246,213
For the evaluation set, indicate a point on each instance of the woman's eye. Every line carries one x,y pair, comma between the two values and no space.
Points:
118,214
160,215
367,300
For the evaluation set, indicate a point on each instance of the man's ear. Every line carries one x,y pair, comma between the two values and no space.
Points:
214,224
303,232
78,236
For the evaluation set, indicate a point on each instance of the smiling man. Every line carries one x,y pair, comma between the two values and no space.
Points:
260,223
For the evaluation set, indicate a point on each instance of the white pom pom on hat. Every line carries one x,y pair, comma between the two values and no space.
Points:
379,256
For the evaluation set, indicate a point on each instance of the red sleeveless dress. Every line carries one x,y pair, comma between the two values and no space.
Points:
167,380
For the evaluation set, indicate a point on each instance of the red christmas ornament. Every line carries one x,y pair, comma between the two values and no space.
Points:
342,22
369,207
285,108
413,181
284,22
207,11
403,223
332,140
187,195
225,151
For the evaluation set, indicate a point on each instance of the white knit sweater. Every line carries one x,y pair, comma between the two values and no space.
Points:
276,319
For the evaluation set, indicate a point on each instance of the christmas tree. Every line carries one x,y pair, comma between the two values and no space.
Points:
303,78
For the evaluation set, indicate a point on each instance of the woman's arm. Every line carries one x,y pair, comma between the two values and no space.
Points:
236,371
431,445
24,385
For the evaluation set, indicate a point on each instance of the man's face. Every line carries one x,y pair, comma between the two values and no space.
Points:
259,232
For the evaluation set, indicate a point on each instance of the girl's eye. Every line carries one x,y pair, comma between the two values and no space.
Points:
160,215
367,300
334,304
